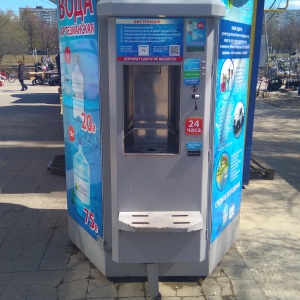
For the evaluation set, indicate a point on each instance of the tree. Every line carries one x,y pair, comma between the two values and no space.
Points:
40,35
272,33
47,37
283,38
30,24
12,36
53,38
289,36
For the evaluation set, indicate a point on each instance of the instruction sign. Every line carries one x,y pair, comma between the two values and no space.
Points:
150,39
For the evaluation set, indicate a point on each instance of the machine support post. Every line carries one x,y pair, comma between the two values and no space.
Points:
153,287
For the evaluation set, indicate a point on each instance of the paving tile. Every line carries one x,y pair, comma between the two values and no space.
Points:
5,278
9,218
96,291
226,287
217,272
168,289
22,279
189,289
132,289
53,264
232,257
99,277
60,238
41,292
238,272
100,298
211,288
6,265
25,264
56,252
49,278
11,248
196,298
33,252
137,298
16,292
78,264
73,275
73,290
247,290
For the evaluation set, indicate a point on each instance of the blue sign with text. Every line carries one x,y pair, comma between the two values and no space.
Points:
149,39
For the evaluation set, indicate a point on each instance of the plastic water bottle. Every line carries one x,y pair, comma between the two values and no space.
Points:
78,90
81,171
194,34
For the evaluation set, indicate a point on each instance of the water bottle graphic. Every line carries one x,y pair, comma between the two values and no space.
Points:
195,33
81,182
78,89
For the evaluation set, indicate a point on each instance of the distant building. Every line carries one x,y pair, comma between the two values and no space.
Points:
283,18
47,15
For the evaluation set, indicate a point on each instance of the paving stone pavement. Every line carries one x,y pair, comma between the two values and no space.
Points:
38,261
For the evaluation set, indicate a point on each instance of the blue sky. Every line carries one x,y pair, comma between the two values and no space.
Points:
15,4
293,4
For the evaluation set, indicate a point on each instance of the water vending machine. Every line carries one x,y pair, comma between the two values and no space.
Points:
157,89
167,173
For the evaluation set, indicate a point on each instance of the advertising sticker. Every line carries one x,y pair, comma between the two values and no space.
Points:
195,32
78,43
230,118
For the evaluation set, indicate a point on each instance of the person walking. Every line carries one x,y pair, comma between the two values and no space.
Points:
22,75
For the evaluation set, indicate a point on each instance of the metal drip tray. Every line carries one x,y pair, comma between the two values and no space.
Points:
150,149
151,141
160,221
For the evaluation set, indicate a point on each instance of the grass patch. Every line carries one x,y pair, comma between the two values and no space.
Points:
9,61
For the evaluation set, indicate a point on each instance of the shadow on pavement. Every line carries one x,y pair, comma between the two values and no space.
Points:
28,97
30,137
276,136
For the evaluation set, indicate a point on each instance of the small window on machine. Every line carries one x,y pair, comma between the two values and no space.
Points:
151,109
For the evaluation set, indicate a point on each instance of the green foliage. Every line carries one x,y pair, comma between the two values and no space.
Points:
22,35
12,36
285,39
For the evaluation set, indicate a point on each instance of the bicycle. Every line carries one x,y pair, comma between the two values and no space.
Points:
262,84
270,80
7,76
